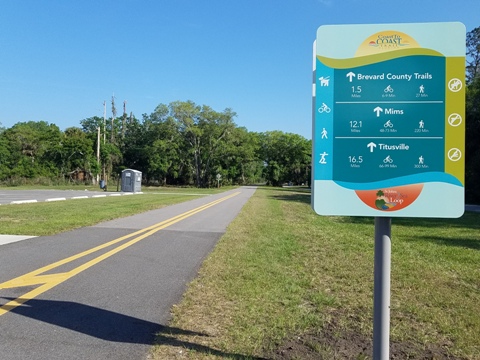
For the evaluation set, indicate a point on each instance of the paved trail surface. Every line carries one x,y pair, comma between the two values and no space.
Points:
102,292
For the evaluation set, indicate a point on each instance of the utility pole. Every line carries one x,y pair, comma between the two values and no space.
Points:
98,151
114,115
104,135
104,120
124,118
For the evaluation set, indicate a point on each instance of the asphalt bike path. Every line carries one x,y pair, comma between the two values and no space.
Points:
102,292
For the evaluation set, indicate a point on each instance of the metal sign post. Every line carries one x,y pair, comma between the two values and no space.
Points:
381,290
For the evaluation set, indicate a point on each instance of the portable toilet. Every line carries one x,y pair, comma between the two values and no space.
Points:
131,180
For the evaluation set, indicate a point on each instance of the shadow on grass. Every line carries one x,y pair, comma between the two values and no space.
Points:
301,198
300,194
469,220
111,326
456,242
164,337
303,189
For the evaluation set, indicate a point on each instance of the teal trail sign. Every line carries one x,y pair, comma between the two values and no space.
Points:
389,120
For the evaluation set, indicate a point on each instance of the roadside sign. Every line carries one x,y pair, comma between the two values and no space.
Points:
389,120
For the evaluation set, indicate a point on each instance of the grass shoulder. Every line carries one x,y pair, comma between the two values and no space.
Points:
285,283
48,218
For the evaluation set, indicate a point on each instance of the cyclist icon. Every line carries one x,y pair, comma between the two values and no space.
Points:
324,108
388,89
388,160
388,124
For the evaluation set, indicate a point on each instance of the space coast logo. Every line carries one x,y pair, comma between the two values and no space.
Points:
389,40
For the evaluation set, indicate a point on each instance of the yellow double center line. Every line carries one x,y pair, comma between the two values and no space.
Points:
49,281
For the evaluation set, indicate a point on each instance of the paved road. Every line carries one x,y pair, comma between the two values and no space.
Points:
102,292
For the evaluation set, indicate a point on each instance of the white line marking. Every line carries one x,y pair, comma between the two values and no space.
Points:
7,239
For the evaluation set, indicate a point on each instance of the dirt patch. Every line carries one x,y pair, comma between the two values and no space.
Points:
334,344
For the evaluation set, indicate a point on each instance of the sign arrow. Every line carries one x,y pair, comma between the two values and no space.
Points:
371,145
378,110
350,76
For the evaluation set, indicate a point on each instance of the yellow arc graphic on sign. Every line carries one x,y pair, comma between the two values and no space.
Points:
385,41
49,281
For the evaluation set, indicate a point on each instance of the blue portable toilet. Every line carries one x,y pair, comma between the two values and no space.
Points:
131,180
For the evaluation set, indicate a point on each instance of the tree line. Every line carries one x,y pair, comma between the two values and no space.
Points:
181,143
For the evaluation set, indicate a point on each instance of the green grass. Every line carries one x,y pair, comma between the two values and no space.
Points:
47,218
282,271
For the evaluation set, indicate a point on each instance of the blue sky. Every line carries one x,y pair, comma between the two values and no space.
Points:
60,59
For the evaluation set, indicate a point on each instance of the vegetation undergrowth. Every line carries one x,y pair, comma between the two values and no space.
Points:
281,272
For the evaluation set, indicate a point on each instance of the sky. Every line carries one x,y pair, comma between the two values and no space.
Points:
61,59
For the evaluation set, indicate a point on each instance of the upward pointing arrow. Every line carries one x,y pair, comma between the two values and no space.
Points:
350,76
371,145
378,110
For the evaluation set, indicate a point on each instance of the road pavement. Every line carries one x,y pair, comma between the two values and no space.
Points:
102,292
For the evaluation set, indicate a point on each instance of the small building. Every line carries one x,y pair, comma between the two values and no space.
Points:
79,175
131,180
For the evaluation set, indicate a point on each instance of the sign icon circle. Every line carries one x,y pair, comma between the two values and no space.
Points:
455,85
455,119
454,154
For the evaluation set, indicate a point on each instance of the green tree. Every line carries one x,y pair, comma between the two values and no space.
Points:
239,161
203,131
472,156
287,158
77,152
32,149
472,159
164,153
111,155
473,54
134,146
